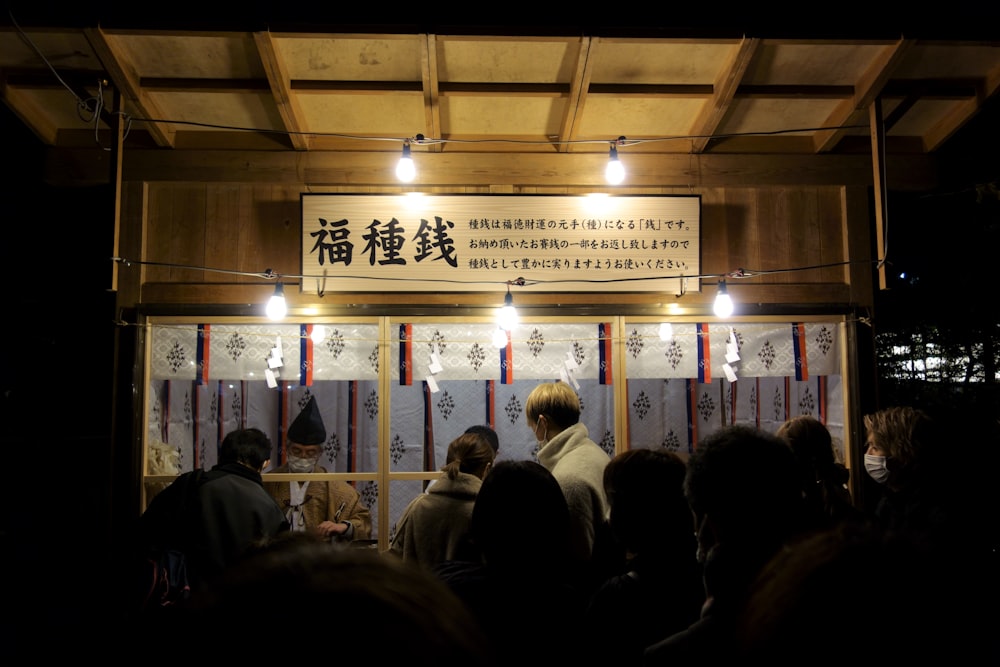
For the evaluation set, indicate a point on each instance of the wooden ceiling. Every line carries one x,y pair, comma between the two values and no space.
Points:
492,90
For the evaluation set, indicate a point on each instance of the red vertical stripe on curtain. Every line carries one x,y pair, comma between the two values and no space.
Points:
406,354
733,388
788,395
822,396
196,422
692,413
165,412
628,422
428,429
352,422
244,399
756,403
219,417
203,352
283,409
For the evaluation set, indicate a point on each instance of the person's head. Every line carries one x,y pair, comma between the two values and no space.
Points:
366,596
487,433
900,586
306,436
645,488
543,539
550,408
812,445
899,440
743,487
469,453
249,446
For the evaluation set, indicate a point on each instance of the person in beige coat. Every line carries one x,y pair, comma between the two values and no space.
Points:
434,527
331,509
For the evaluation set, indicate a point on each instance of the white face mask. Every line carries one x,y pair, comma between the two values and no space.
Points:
875,466
299,464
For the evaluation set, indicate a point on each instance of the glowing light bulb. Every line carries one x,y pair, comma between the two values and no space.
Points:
405,170
499,338
615,171
723,302
507,318
276,307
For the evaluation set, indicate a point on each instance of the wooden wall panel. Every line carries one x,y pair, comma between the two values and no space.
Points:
248,228
177,232
715,239
223,222
798,215
773,234
742,233
830,232
272,234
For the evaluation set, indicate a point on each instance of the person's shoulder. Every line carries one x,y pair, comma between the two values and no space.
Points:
342,487
699,642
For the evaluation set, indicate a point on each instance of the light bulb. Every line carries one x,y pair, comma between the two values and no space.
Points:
499,338
615,171
318,333
405,171
666,331
276,307
723,302
507,318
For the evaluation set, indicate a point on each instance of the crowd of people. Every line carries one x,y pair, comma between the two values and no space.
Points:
751,547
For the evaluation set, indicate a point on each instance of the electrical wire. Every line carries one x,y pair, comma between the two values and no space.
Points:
269,274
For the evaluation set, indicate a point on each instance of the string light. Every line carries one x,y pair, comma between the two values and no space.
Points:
276,307
500,338
615,171
405,171
723,302
507,318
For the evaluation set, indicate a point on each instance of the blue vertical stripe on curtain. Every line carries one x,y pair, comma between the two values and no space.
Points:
799,345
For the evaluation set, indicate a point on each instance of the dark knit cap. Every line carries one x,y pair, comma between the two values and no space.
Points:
308,428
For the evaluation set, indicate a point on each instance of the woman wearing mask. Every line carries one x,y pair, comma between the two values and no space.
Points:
904,454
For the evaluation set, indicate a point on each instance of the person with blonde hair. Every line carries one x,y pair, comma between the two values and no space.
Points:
434,527
577,462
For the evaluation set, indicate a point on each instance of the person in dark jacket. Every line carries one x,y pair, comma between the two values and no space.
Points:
522,590
660,590
232,510
743,488
824,479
